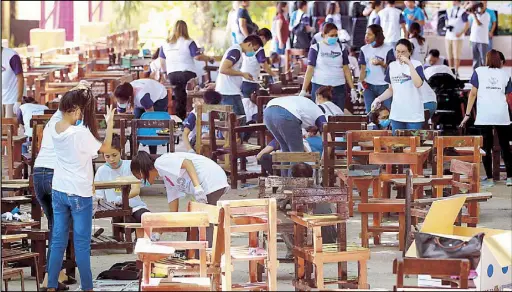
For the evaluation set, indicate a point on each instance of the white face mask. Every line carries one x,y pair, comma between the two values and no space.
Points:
122,105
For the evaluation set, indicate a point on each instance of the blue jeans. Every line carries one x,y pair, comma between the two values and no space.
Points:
285,128
431,106
159,106
338,94
236,102
43,189
65,208
24,147
372,92
479,53
278,50
248,88
396,125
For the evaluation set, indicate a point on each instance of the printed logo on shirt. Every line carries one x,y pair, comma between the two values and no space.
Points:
402,78
232,57
182,184
331,54
493,83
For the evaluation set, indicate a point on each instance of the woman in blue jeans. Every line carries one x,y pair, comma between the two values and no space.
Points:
285,117
405,78
75,144
374,58
328,66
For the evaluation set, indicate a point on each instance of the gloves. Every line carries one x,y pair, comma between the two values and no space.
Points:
302,93
16,107
191,151
376,104
200,195
353,95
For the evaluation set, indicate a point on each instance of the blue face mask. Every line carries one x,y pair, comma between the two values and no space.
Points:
384,123
144,182
332,40
118,164
79,122
250,54
373,43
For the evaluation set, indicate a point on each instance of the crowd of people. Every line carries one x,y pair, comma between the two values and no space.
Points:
392,82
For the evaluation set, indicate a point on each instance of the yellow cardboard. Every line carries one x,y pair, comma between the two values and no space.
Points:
441,216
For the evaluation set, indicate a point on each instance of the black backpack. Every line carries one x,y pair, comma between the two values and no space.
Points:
301,35
121,271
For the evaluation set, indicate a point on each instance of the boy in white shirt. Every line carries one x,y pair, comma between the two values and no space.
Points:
392,21
479,36
114,168
29,108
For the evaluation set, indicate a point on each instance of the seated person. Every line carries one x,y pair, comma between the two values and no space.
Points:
277,61
324,101
189,124
434,58
314,140
28,108
113,168
379,119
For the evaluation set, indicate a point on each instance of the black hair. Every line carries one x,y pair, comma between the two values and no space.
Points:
302,170
265,32
325,92
374,116
142,163
280,7
331,8
312,129
406,43
116,142
379,34
124,92
391,2
375,3
212,97
415,30
254,40
156,54
302,3
353,49
328,27
28,99
434,53
81,99
502,57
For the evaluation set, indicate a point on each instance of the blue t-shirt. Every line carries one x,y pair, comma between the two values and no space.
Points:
417,13
316,144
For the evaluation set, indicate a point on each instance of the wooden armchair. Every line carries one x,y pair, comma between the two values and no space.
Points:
153,124
233,147
317,253
202,111
334,136
12,256
463,148
149,252
444,268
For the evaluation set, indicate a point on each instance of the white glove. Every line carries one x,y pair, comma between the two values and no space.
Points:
200,195
302,93
353,95
360,86
376,104
7,216
191,151
16,107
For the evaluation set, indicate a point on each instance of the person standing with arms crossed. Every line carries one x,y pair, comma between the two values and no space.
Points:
13,84
229,80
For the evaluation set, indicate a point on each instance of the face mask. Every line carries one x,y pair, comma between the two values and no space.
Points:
332,40
79,122
250,54
144,182
118,164
384,123
122,105
373,44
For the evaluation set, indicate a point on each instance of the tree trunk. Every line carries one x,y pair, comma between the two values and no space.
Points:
204,20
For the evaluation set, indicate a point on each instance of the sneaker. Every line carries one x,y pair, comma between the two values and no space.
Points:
509,182
488,183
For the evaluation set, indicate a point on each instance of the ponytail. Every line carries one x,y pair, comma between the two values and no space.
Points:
415,30
142,164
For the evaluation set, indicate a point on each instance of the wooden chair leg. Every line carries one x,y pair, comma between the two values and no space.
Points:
364,230
401,231
22,280
319,279
37,272
6,286
362,281
128,238
350,194
377,219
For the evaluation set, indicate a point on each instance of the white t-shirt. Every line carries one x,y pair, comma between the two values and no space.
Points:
180,55
328,61
374,73
354,66
427,93
105,173
301,107
407,105
437,69
177,181
11,66
420,51
480,33
391,19
330,109
456,17
46,156
153,88
27,111
230,85
156,66
372,17
491,102
334,18
250,108
75,149
252,65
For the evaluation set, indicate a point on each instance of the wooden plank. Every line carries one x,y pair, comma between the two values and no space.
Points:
175,219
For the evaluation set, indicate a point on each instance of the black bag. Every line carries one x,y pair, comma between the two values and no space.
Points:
437,247
303,38
121,271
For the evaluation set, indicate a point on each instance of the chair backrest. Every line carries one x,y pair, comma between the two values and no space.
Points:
460,168
280,187
280,158
146,131
424,135
206,109
471,153
304,199
355,137
37,138
386,156
7,138
261,102
348,119
432,267
152,221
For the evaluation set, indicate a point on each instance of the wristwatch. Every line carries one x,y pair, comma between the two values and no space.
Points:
468,115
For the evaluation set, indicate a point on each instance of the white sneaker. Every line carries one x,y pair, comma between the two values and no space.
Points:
488,183
509,182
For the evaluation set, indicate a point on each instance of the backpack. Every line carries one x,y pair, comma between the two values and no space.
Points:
303,37
121,271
